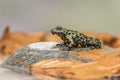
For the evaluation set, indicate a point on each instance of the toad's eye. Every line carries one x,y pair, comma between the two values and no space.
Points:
59,28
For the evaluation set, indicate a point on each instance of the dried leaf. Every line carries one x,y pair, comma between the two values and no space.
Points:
53,38
52,67
16,40
105,66
93,54
106,62
6,33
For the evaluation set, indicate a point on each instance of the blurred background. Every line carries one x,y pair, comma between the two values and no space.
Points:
81,15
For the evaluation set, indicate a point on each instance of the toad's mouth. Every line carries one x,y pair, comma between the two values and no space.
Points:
56,32
53,32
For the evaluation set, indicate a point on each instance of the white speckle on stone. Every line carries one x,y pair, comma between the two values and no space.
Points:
44,45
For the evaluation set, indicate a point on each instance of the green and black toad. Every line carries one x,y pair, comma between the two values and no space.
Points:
75,39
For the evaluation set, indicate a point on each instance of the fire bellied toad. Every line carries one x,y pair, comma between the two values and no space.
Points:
75,39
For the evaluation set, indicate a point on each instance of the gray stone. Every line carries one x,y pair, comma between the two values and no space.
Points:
35,52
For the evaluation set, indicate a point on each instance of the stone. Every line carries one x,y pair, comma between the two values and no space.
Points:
35,52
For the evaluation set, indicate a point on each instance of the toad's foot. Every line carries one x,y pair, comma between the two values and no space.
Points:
62,46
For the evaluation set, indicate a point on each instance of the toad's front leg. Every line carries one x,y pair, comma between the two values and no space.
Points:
62,44
69,45
65,46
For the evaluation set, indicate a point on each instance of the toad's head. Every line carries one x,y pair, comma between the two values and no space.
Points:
58,31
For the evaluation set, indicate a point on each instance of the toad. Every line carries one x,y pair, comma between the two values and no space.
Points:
75,39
